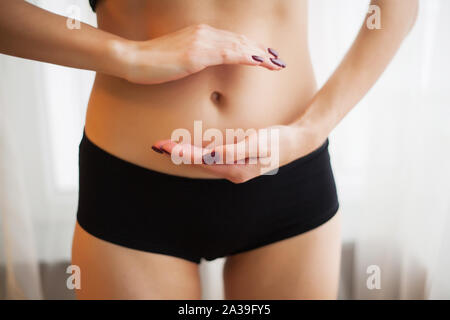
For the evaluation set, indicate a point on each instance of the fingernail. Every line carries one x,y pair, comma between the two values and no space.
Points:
164,150
278,62
156,149
273,52
210,158
258,58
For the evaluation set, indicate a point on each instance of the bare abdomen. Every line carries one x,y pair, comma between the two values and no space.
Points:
126,119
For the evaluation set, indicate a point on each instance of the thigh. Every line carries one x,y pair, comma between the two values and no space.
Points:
302,267
109,271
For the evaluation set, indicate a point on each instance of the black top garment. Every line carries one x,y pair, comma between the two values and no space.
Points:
93,3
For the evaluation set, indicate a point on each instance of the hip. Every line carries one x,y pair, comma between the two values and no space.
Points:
139,208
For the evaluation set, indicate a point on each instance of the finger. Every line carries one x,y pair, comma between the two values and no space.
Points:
270,61
250,148
247,54
157,147
185,153
238,49
270,56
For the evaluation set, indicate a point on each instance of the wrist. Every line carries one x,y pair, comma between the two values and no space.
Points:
315,121
121,55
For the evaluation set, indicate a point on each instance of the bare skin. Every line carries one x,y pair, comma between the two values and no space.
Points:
109,271
160,66
113,272
307,267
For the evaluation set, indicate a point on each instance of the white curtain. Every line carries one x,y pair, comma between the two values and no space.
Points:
390,158
391,155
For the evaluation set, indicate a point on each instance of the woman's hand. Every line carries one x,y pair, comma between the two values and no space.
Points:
170,57
259,153
190,50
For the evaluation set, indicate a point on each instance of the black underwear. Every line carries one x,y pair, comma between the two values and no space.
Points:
138,208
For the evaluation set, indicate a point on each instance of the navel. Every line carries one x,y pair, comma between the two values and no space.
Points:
216,97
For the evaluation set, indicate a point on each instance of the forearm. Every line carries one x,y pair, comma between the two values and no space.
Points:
366,60
33,33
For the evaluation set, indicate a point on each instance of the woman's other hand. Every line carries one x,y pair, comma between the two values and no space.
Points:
260,153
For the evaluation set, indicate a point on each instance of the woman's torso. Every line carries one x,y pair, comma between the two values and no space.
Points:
125,119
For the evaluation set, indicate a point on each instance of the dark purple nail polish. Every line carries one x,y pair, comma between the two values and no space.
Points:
208,158
278,62
166,152
273,52
156,149
258,58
